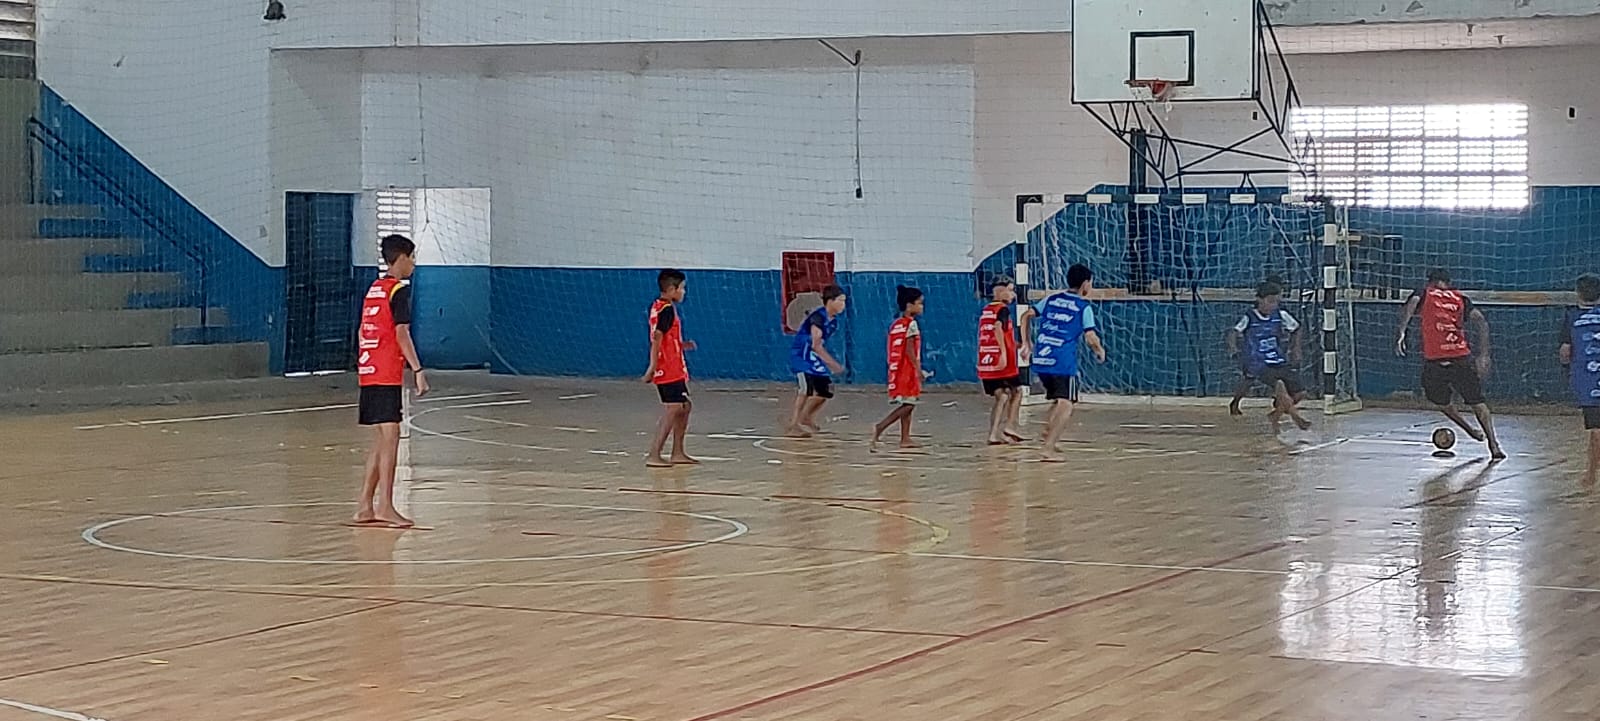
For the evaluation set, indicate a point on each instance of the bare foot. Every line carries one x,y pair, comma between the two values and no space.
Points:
363,516
1476,435
811,428
1053,457
657,462
1235,411
873,446
1015,436
999,441
1301,423
681,459
909,444
393,519
798,432
1497,453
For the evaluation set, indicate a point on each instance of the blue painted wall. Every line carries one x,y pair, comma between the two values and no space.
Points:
733,315
81,165
450,316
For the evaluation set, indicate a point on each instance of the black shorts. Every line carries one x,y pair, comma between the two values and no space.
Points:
1591,418
1059,388
814,386
1272,375
674,392
1442,380
992,386
380,405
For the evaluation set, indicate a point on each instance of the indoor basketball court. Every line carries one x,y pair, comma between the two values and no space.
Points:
1182,563
1228,183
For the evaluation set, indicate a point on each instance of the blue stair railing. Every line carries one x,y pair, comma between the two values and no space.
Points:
84,165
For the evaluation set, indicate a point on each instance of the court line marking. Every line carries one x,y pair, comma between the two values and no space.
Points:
90,535
273,412
492,404
1100,564
412,424
975,635
46,711
936,536
1359,437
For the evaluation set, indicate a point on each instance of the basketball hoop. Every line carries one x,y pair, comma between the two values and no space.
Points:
1152,90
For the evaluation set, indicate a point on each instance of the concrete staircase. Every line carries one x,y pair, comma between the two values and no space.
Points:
69,319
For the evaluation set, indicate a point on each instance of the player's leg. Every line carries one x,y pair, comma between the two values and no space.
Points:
1239,390
1290,392
1591,423
671,406
680,433
1063,391
900,411
819,390
369,481
1464,379
905,428
1013,425
997,411
796,427
388,459
1436,387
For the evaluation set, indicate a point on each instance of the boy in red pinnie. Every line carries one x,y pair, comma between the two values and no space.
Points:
905,367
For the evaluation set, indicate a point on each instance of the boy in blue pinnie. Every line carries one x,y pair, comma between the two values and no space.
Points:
1270,354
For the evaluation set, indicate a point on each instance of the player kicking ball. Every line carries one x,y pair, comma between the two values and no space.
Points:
1265,331
1448,365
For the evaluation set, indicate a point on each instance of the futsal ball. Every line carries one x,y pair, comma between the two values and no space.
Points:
1444,439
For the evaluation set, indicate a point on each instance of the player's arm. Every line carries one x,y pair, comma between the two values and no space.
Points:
400,311
658,335
1406,312
1294,328
1091,337
821,349
1235,334
1480,324
1026,320
1566,354
1564,341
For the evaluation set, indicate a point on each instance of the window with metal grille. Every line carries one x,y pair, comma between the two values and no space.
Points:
394,216
1419,156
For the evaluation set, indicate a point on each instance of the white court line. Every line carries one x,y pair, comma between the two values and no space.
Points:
490,404
467,397
274,412
1105,564
217,417
43,711
90,535
496,421
577,397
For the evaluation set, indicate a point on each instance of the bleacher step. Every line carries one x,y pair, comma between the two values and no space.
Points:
131,366
37,332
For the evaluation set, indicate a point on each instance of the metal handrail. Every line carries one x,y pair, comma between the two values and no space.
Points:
106,183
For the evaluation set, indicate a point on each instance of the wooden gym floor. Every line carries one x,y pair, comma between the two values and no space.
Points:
174,563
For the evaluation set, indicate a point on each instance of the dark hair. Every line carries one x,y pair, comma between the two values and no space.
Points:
831,292
904,296
1001,281
669,278
1589,288
1438,275
394,246
1077,275
1268,289
1273,278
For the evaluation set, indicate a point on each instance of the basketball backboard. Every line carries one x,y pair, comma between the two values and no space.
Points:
1209,49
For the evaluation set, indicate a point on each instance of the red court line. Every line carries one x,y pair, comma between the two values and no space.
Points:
849,676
